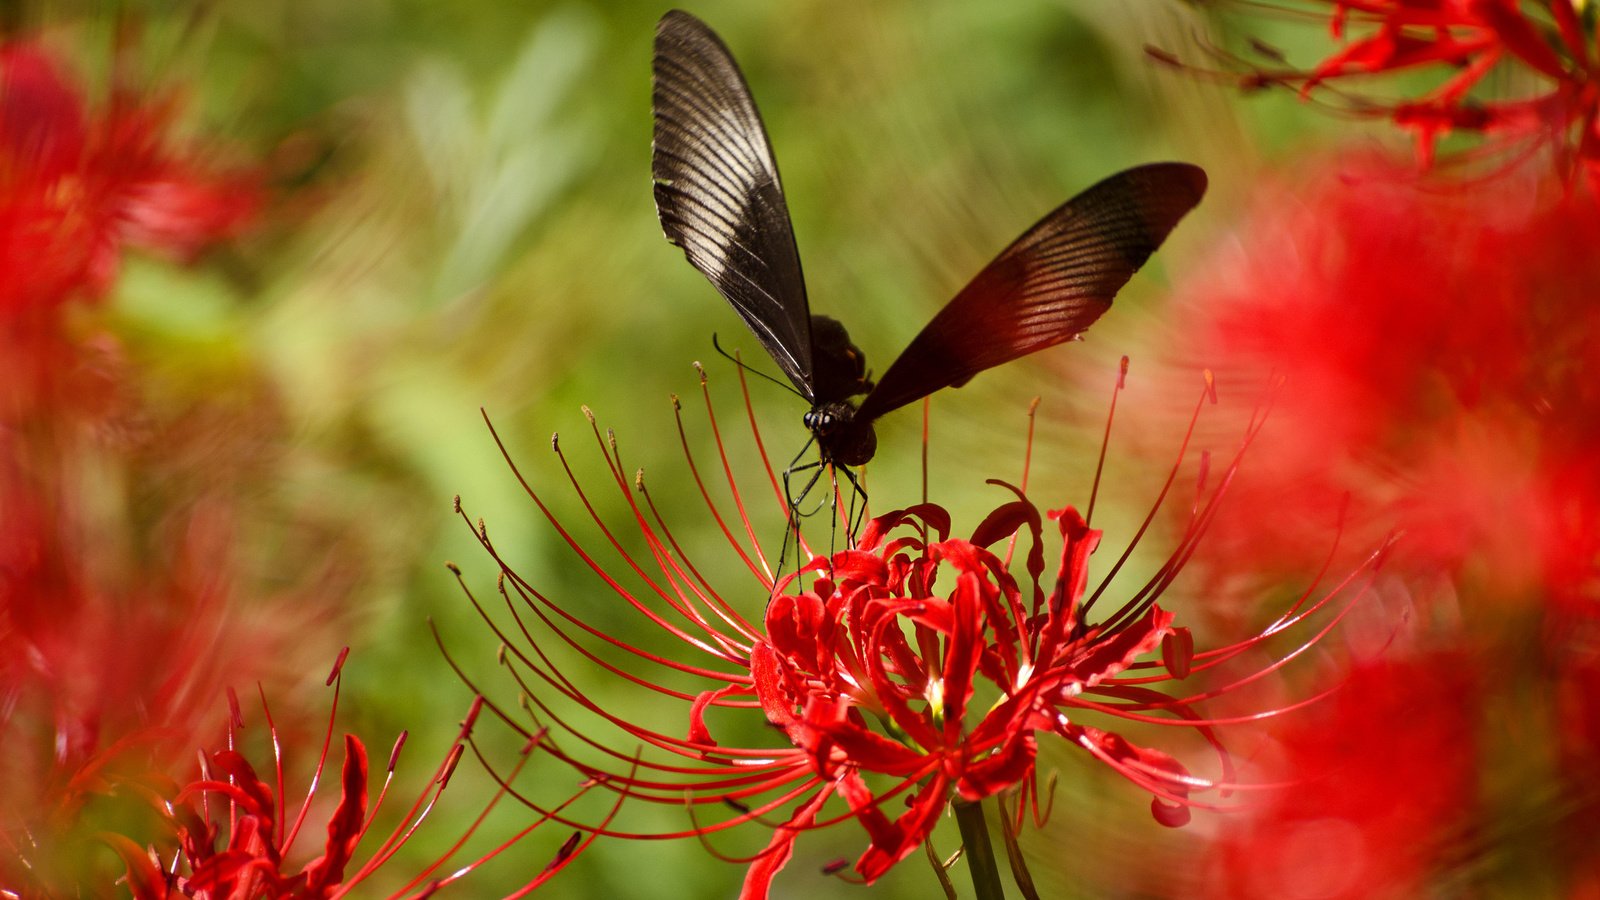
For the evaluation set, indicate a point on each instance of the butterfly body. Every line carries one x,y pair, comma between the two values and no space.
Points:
839,372
719,198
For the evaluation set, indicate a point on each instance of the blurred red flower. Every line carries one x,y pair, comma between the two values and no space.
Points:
1382,780
1434,345
105,682
75,186
119,621
1437,342
1545,48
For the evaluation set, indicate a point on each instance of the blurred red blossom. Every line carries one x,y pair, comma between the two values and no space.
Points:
916,671
76,185
121,618
1382,782
119,634
1434,344
1545,49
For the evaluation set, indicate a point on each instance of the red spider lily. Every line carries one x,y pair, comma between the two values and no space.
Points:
106,665
117,629
915,669
1548,45
255,859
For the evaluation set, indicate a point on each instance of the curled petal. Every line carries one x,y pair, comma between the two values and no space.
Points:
698,732
893,840
144,879
1150,769
344,826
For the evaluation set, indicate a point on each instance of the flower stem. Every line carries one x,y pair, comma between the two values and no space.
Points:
979,853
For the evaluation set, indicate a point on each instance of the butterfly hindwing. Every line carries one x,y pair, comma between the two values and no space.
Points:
718,194
1048,286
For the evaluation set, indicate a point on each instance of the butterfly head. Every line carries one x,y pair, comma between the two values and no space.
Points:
842,439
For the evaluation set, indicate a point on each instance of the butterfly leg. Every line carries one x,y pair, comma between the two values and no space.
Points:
792,526
854,517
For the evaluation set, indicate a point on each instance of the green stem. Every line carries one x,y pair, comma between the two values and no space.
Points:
1019,865
979,853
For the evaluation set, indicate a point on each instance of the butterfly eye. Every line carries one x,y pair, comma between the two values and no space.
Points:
820,420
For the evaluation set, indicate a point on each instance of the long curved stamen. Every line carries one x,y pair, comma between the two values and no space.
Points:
1207,393
1105,439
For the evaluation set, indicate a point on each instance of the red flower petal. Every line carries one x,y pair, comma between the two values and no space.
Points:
893,841
758,878
325,873
145,879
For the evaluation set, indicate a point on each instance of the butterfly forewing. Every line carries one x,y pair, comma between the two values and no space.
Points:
1048,286
717,190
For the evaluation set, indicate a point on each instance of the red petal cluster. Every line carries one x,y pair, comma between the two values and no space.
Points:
877,669
1435,344
1549,44
75,186
232,833
252,862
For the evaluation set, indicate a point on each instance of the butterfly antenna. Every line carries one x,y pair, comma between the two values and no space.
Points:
734,358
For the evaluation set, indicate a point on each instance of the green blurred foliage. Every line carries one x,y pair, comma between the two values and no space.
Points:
462,219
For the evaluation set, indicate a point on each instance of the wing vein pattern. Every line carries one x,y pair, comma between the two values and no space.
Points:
1048,286
718,194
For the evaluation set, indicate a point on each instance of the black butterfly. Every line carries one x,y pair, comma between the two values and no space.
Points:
719,198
